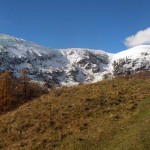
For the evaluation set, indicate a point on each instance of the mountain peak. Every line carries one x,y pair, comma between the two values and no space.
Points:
134,52
4,37
69,66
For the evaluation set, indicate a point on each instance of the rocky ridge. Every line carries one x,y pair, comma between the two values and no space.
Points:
69,66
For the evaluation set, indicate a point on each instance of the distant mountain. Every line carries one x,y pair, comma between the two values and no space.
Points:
69,66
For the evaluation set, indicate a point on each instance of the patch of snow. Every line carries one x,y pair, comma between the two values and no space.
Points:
66,66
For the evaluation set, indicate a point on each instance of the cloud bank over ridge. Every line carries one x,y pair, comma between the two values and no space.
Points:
140,38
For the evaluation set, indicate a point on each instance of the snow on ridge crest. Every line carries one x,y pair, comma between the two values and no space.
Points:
134,52
68,66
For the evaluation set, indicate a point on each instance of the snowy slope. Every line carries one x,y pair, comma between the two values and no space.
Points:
133,53
62,66
68,66
133,59
21,49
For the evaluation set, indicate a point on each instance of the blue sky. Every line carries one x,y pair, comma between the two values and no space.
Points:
96,24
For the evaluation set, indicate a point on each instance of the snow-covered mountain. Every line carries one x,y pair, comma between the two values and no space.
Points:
68,66
132,60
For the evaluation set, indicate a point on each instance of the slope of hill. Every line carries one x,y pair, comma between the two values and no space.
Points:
107,115
68,66
132,60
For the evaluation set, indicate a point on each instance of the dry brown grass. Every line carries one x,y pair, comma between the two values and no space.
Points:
87,117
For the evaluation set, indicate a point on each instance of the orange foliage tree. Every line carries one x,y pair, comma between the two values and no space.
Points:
6,90
13,91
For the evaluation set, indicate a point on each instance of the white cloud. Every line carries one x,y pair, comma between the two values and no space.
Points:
140,38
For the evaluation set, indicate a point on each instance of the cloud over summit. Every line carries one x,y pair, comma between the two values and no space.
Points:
140,38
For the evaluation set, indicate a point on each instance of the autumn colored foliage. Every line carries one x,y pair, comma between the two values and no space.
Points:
15,91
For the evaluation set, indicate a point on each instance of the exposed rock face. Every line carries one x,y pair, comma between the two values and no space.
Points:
68,66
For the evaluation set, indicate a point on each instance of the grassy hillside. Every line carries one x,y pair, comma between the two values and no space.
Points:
109,115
